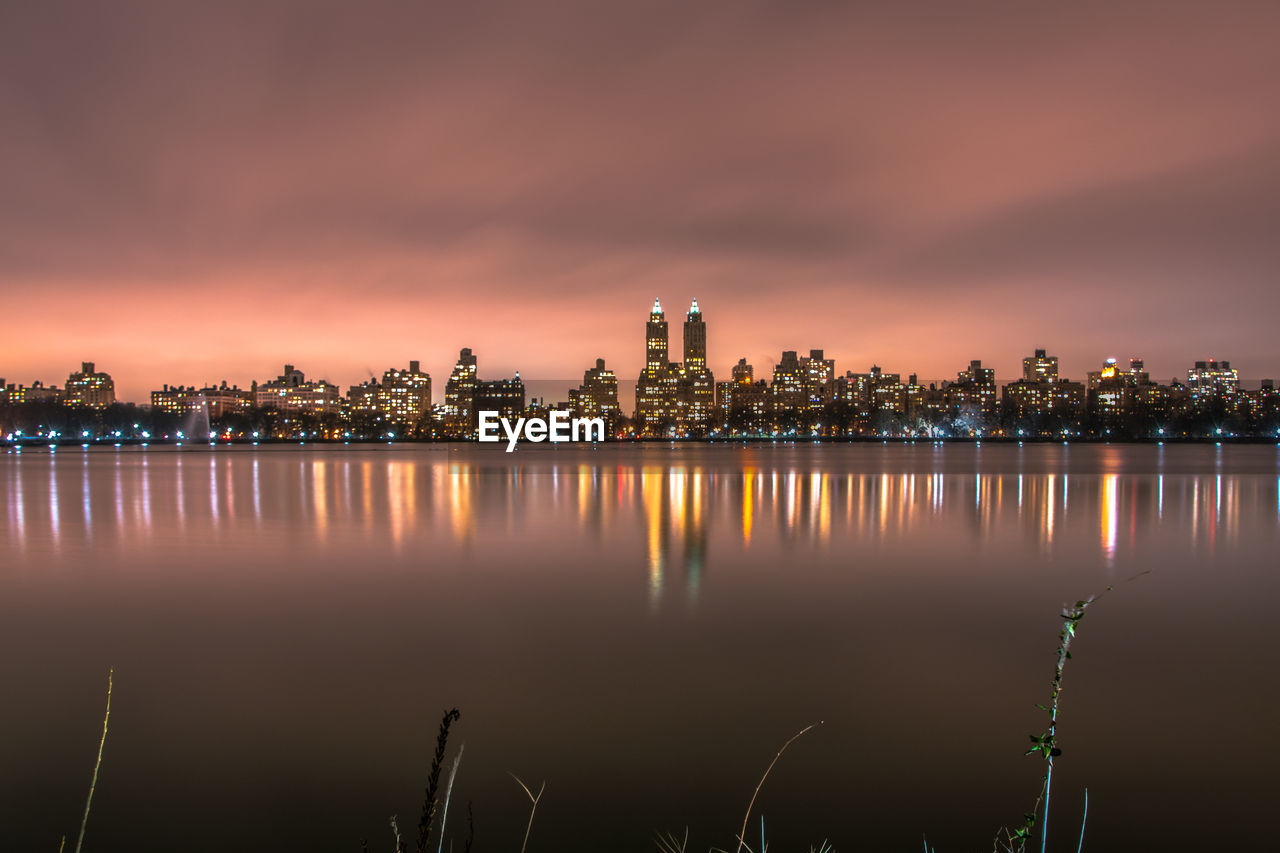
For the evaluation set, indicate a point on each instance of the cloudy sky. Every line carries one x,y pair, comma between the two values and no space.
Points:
196,192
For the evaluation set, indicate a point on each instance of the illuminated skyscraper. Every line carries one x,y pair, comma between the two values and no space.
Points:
655,335
788,384
656,388
460,389
1213,379
404,395
817,371
696,392
695,339
598,395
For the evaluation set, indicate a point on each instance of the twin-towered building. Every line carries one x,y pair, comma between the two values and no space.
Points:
675,398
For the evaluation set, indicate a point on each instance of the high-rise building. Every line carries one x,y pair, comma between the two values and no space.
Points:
1042,402
816,373
1212,379
696,384
597,397
870,392
89,388
788,389
655,339
656,408
728,397
1042,407
504,396
1040,367
972,398
1119,396
1109,371
363,398
695,339
1263,406
749,407
460,389
465,396
404,396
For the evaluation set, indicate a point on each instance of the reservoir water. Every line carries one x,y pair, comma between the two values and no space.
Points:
641,627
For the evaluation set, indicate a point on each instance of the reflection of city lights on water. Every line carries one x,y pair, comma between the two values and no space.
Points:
54,515
1109,520
1050,505
682,516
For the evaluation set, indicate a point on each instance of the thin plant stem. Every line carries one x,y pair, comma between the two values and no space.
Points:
1084,817
535,800
97,765
433,781
668,844
448,792
395,830
742,836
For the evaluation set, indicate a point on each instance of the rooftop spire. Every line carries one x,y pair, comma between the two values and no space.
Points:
694,309
657,306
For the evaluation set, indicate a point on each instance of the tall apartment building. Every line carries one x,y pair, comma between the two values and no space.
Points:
89,388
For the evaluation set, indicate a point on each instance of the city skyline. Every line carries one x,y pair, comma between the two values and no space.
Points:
626,383
800,395
214,191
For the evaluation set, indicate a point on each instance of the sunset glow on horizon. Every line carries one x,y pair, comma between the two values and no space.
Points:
205,193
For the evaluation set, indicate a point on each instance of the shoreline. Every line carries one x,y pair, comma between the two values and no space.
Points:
46,443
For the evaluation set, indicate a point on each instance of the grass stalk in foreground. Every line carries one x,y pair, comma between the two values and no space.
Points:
1046,743
448,793
93,783
532,810
429,799
742,836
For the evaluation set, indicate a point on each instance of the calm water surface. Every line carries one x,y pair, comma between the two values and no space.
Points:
641,627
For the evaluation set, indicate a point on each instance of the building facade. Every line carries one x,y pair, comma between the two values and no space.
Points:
597,397
292,392
89,388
